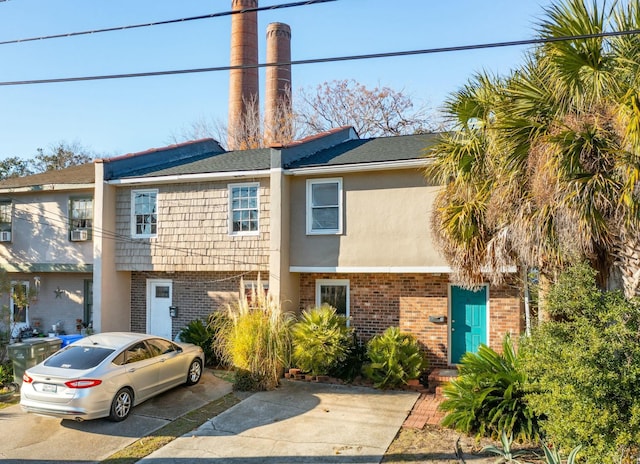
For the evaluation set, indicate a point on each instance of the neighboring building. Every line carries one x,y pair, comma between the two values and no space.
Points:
164,236
46,246
53,239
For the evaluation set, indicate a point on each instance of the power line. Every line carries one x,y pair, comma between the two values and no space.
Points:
168,21
368,56
58,219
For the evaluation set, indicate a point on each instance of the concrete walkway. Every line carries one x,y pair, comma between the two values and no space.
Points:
300,422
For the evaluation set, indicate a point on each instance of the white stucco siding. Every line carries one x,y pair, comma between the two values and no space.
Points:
386,218
40,232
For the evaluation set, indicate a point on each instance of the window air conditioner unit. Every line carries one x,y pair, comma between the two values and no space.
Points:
79,235
5,236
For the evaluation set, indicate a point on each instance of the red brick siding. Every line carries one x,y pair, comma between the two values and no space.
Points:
191,294
378,301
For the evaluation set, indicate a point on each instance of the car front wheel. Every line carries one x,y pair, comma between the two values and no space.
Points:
195,372
121,405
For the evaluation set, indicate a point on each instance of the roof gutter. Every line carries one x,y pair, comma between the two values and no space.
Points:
360,167
46,188
181,178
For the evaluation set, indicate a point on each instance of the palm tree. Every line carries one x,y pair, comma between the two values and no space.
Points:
555,156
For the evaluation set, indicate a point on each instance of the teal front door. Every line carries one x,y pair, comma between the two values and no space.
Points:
468,321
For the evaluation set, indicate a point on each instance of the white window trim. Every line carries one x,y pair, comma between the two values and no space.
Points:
72,202
310,229
11,211
335,282
230,187
133,213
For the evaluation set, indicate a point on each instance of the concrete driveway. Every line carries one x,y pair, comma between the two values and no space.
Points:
35,439
300,422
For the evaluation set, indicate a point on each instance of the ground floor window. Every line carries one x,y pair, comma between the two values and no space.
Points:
334,292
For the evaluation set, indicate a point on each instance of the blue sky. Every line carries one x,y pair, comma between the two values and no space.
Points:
112,117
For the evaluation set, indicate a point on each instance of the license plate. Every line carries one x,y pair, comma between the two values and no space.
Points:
49,388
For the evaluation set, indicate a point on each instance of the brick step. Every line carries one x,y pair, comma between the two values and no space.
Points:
439,377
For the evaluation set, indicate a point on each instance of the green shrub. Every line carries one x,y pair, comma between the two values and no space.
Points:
6,373
256,338
244,380
585,376
321,340
394,358
351,366
488,397
201,334
565,302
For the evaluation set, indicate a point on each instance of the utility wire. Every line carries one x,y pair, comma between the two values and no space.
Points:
54,218
168,21
368,56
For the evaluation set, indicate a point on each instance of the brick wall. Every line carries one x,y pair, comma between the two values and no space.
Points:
378,301
193,232
196,294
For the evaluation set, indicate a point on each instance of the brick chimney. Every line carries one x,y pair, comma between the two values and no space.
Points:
278,124
243,83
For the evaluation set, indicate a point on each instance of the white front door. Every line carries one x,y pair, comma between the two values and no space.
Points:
19,307
159,300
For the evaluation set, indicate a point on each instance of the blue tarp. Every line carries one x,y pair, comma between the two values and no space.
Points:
68,339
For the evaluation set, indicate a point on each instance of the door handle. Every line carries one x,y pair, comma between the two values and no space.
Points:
133,369
453,329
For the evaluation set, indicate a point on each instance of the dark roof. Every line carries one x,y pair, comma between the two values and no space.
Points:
376,150
356,151
81,174
231,161
156,159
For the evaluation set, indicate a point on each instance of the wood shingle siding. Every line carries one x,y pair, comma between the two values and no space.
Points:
193,232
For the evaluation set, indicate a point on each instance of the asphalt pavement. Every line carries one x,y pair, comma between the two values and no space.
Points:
29,438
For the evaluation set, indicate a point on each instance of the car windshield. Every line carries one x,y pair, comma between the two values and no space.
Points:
78,357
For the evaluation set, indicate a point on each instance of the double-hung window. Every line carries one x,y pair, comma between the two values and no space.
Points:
6,220
243,209
324,206
144,213
80,218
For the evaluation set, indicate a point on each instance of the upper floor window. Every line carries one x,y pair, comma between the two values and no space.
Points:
6,220
243,208
324,206
144,213
80,218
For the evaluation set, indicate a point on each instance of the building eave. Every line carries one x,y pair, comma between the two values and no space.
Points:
372,269
359,167
47,188
184,178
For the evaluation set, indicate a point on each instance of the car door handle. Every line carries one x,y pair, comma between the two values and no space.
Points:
133,369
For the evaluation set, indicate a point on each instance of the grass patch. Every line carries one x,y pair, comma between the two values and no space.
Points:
190,421
227,375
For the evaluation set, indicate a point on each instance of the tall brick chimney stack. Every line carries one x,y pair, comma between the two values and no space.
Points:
243,83
278,125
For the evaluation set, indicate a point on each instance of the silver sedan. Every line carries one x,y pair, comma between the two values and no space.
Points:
106,375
